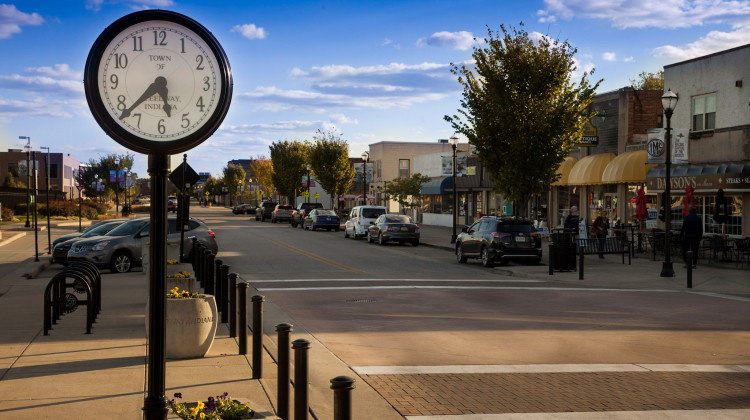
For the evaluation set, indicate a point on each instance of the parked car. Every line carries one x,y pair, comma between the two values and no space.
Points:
360,218
499,239
121,249
264,210
282,213
323,219
97,225
243,209
393,227
299,214
172,206
60,248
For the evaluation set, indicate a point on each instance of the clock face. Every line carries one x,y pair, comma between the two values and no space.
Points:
158,81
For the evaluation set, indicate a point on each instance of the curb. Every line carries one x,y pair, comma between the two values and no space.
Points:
12,238
39,268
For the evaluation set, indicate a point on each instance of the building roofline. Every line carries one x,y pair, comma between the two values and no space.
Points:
741,47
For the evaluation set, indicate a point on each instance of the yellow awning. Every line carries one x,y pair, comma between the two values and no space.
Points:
564,170
589,170
627,168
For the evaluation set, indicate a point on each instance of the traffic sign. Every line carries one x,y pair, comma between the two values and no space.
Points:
80,187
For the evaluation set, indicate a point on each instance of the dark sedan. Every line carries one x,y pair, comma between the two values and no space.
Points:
393,227
60,248
321,219
499,239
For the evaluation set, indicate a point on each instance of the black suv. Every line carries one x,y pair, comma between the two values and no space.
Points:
301,211
264,210
499,239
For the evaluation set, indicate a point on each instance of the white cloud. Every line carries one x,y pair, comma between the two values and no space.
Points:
11,20
609,56
58,79
545,16
629,59
96,5
713,42
250,31
461,40
648,13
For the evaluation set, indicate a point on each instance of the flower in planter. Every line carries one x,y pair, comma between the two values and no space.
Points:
172,262
180,275
176,294
221,407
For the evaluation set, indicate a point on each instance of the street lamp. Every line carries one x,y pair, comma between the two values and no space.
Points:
49,231
27,148
127,188
454,143
365,158
117,186
308,182
669,102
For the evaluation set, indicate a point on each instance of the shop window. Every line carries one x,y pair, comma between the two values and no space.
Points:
704,112
53,170
403,168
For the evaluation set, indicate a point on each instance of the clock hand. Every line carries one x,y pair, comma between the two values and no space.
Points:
159,86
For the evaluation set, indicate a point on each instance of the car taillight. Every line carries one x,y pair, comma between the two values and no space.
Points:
213,235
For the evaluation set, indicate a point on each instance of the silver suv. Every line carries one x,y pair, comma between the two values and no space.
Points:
121,249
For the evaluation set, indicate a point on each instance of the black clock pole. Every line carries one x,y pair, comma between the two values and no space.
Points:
156,405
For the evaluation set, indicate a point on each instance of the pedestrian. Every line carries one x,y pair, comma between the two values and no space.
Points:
571,221
600,228
692,233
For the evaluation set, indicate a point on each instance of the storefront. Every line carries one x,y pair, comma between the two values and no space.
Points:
598,198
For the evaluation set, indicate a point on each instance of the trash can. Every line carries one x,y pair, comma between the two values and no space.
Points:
126,209
564,247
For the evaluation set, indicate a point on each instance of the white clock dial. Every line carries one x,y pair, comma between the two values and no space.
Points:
159,81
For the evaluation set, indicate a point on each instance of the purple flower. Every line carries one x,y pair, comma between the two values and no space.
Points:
178,394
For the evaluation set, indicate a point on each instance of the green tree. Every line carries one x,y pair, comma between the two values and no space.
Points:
407,191
234,177
649,81
101,168
209,187
9,181
262,169
520,109
289,166
329,158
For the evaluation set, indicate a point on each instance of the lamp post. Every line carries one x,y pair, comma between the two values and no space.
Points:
36,221
127,188
27,148
365,157
117,186
454,143
308,182
668,101
49,231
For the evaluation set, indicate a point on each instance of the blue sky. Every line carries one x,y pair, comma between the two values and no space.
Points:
372,71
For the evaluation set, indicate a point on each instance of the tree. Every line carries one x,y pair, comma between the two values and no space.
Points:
88,174
649,81
521,111
262,169
289,162
10,181
407,191
329,158
234,177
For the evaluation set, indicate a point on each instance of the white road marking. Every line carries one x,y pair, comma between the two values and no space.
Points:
545,368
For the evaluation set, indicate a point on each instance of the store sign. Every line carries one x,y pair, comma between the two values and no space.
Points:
447,166
590,136
656,146
701,183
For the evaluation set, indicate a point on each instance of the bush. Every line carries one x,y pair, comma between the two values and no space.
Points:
89,209
8,215
141,209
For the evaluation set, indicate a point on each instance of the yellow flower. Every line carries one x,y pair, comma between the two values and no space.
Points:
200,405
203,415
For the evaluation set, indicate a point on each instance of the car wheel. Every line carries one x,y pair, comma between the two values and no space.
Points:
121,262
294,224
415,242
346,233
381,241
460,257
312,227
337,229
486,260
369,237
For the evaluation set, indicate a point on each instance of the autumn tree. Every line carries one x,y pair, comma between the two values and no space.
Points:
10,181
234,177
649,81
290,159
407,191
101,168
521,110
329,159
262,169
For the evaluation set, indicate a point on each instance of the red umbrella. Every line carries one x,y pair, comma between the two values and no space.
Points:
640,205
689,200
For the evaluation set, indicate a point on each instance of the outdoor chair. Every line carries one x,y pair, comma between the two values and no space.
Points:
742,251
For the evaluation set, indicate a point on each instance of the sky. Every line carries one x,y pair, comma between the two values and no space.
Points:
368,71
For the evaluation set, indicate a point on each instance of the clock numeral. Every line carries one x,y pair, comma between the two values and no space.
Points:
182,42
160,38
115,81
185,121
121,61
161,126
138,124
207,85
121,103
199,60
199,104
137,43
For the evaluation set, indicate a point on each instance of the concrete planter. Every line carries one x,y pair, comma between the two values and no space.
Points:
173,253
191,327
189,284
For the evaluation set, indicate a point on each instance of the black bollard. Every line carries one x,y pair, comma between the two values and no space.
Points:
209,272
580,262
551,258
257,336
242,324
342,397
690,269
301,400
193,250
282,387
217,285
233,303
224,277
201,257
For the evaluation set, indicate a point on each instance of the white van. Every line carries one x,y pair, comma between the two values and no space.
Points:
360,218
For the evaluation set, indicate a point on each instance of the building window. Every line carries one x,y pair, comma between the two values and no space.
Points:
403,168
53,171
380,168
704,112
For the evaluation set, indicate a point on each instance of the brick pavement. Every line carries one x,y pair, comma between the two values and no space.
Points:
455,394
